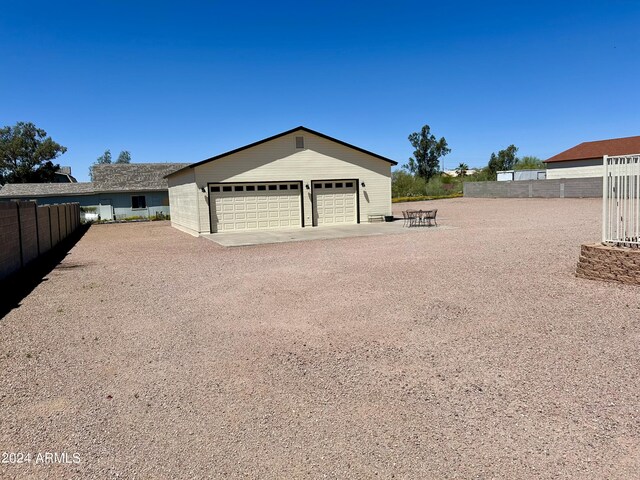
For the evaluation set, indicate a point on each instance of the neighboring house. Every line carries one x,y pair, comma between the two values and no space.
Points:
118,190
63,175
585,160
298,178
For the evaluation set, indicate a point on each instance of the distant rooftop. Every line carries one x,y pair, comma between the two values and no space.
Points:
45,189
598,149
118,177
133,176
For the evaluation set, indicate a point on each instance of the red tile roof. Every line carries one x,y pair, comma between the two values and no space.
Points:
614,146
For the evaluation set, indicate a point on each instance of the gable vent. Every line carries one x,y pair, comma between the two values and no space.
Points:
299,142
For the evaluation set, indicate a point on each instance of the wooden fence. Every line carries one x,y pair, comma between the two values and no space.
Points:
28,230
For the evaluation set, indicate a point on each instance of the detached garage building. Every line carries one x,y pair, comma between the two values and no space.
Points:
298,178
586,159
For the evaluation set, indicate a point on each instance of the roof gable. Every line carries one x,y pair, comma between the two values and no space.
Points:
598,149
288,132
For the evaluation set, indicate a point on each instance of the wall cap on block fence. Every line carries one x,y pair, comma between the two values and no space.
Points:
612,264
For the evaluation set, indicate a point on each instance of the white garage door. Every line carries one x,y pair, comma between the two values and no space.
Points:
334,202
258,206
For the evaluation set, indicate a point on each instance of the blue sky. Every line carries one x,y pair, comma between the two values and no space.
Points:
181,81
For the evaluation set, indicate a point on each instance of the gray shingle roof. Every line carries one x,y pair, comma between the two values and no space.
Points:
107,178
133,176
40,189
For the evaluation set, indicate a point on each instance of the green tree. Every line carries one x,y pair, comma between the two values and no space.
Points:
504,160
26,154
103,159
425,161
529,163
462,170
124,157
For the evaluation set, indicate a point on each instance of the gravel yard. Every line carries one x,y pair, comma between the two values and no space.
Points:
465,352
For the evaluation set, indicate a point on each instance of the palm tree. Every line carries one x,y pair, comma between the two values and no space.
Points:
462,169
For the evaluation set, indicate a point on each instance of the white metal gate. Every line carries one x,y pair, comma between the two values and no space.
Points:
621,201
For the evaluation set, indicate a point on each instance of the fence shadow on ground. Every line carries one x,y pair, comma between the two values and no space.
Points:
19,285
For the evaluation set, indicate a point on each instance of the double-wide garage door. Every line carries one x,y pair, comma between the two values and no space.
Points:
259,206
334,202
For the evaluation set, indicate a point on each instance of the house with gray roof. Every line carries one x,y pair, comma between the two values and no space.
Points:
118,190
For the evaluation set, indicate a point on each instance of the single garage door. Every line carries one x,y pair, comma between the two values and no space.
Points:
334,202
258,206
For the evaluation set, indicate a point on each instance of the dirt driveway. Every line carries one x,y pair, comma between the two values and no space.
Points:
467,352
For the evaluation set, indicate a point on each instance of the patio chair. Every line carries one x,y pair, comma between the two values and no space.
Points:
430,215
405,216
413,217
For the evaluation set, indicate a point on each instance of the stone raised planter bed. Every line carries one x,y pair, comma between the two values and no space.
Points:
615,264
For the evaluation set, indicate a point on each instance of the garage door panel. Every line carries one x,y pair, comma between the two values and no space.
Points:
334,203
246,207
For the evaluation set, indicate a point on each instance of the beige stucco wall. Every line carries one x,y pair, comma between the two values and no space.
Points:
279,160
575,169
183,201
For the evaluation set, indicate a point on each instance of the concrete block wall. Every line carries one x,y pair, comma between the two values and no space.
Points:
557,188
600,262
62,215
27,231
69,222
10,257
55,224
44,229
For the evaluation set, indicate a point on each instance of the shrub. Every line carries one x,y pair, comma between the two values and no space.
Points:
425,197
443,185
404,184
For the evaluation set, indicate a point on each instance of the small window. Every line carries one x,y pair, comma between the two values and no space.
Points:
238,188
338,185
226,189
349,184
317,185
251,188
293,186
215,189
284,187
299,142
138,201
273,187
327,185
262,187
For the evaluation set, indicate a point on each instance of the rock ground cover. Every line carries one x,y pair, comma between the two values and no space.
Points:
466,352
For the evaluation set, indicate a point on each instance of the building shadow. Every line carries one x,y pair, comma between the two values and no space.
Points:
17,286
